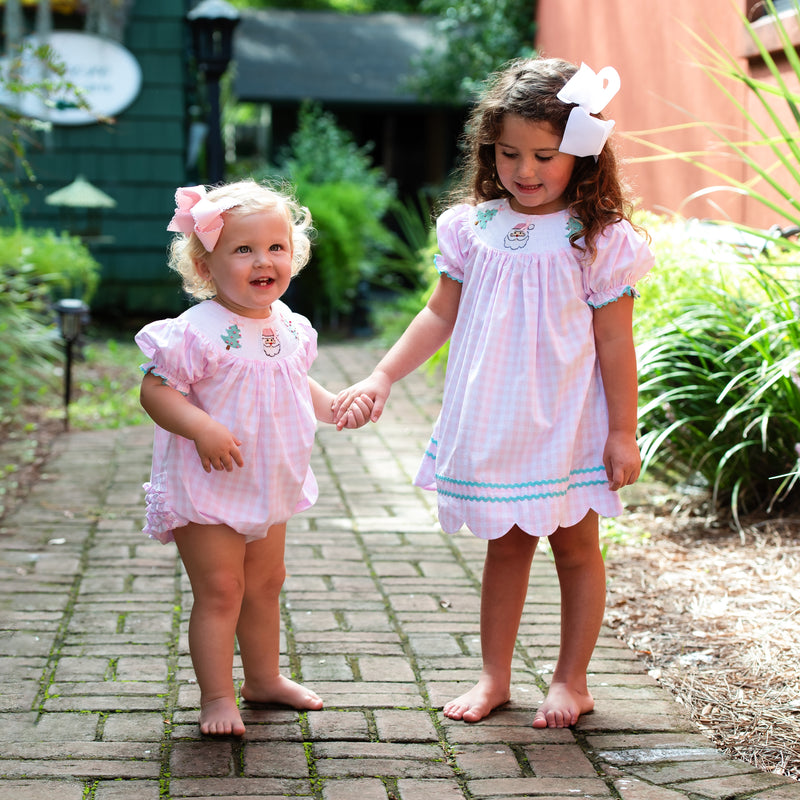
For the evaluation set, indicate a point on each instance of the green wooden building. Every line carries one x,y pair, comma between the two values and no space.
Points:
153,142
137,159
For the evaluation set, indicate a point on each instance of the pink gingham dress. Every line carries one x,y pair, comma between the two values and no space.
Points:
524,420
252,376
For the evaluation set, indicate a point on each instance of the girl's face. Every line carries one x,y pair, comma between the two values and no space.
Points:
530,166
251,265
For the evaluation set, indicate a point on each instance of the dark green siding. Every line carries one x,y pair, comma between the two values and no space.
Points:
139,161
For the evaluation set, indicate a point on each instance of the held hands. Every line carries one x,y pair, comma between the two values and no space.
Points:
217,447
372,391
356,414
622,460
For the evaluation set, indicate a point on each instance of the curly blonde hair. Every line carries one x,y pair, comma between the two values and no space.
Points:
596,194
186,251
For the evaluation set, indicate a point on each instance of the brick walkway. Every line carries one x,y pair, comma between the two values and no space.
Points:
380,613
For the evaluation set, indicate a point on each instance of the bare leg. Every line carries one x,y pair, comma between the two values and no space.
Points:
582,578
505,584
259,626
214,556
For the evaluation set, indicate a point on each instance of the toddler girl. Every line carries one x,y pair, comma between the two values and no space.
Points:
227,385
537,430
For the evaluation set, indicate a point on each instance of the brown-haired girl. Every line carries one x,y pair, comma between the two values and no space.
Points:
538,263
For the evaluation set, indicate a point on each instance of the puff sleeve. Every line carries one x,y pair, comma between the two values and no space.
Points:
177,353
452,241
307,336
623,258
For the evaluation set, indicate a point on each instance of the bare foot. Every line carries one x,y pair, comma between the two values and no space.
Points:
285,692
221,717
479,701
562,707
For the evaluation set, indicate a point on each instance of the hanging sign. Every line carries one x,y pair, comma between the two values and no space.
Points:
107,76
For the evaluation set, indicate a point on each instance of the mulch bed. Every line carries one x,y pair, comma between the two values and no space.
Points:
715,614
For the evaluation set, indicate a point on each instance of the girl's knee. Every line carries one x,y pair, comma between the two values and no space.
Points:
222,590
267,582
577,545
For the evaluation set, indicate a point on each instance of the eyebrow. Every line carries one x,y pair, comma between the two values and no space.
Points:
536,150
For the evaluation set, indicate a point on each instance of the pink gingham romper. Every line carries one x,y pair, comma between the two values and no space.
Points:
252,376
524,420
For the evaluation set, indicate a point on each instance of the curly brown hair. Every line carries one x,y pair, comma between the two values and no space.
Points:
596,195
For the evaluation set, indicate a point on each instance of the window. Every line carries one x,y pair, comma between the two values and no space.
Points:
765,28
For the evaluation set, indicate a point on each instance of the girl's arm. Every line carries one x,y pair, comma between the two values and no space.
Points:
169,409
356,415
428,331
613,333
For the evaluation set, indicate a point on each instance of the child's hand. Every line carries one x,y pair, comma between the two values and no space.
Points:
217,447
374,390
622,460
357,414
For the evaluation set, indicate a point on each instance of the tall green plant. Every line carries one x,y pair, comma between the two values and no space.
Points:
719,383
721,395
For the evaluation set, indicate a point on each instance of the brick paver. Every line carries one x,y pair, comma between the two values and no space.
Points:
380,615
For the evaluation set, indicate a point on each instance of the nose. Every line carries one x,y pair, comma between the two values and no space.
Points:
527,166
261,257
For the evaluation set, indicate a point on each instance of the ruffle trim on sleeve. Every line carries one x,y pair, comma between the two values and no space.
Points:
441,268
611,296
150,367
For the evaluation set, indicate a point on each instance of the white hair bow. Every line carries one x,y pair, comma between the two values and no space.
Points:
584,134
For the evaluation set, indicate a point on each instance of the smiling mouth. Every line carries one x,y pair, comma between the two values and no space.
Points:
262,282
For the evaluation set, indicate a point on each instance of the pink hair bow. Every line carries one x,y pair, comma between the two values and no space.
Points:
196,214
586,135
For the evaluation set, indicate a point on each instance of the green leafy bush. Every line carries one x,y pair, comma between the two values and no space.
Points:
720,393
477,38
60,262
346,227
348,198
36,268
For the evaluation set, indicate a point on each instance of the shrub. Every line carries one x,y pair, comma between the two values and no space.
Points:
37,267
348,198
720,393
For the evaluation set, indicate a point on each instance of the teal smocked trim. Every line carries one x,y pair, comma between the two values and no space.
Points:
489,485
540,495
544,495
628,290
443,271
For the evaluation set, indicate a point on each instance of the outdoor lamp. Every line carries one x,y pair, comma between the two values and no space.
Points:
72,315
212,23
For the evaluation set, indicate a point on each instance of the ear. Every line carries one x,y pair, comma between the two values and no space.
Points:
201,268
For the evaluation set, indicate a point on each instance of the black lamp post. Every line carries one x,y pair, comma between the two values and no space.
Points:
212,23
72,316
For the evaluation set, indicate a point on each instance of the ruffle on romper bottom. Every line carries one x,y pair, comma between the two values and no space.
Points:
160,520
